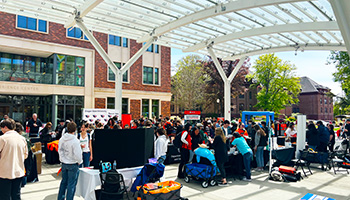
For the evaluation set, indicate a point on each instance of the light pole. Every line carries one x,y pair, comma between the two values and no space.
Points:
218,101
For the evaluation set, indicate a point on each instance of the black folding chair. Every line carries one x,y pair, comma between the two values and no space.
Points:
113,186
302,161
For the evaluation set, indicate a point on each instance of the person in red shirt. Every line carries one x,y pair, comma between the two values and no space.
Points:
241,130
185,149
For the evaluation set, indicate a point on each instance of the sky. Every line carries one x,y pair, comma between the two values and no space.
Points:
312,64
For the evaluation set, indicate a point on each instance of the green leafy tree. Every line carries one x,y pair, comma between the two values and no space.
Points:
189,82
279,85
341,60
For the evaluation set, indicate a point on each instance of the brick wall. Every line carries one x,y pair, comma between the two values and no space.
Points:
100,103
310,105
135,108
165,106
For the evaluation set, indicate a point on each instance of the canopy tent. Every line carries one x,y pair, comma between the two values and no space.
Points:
228,29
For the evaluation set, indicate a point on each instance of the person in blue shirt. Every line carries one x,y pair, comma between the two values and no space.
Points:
246,152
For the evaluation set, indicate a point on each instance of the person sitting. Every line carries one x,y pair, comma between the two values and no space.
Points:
246,152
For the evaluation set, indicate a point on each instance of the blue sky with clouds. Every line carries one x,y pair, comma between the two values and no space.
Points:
309,63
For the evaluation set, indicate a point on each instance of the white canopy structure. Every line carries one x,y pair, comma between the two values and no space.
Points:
228,29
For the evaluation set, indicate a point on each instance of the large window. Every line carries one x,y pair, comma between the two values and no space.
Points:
241,106
125,104
76,32
155,108
241,96
21,68
31,24
145,107
118,41
111,75
70,107
69,70
151,75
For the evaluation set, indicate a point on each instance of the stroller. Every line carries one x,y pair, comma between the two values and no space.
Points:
204,170
150,173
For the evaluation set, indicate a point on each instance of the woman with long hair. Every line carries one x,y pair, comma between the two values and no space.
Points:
312,137
260,144
221,156
85,144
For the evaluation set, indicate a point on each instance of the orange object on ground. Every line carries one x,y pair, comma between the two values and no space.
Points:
286,169
162,187
53,145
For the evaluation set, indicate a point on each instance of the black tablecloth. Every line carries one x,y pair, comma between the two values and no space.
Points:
283,156
235,165
172,155
31,168
51,157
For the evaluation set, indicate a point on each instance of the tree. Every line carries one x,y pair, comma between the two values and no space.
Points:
341,61
189,82
215,86
279,85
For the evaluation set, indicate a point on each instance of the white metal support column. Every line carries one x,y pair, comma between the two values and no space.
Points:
227,81
341,11
118,72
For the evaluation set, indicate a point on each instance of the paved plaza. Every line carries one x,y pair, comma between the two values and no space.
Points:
320,183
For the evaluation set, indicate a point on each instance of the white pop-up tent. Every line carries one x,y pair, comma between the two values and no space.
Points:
228,29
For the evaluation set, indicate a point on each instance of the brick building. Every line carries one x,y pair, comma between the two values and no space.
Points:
56,72
314,101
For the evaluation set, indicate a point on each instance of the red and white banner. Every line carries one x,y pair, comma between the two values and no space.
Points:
91,115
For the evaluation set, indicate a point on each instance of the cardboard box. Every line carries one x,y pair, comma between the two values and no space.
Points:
37,146
39,158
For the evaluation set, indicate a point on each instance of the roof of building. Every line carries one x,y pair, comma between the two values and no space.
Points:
308,85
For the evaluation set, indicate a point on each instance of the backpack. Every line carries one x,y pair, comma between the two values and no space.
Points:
177,141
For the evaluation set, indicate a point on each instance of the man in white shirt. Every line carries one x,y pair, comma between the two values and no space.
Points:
13,152
70,154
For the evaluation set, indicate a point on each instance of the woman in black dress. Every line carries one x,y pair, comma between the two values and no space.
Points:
221,156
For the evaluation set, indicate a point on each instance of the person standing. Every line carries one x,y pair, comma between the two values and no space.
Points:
260,144
13,152
323,134
70,154
85,143
221,156
160,146
226,129
34,124
291,132
246,152
185,149
331,137
312,137
59,129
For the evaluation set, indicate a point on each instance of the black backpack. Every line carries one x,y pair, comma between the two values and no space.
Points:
177,141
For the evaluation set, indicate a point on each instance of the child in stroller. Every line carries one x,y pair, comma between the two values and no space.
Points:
203,167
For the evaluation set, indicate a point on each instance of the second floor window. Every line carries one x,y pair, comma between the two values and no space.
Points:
153,48
76,32
111,75
118,41
31,24
151,75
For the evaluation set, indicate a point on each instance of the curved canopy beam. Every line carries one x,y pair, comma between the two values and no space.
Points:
341,12
335,47
309,26
219,9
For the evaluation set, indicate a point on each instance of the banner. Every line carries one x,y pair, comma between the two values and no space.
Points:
91,115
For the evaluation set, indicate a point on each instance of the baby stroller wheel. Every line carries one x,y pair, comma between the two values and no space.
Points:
187,179
212,182
205,184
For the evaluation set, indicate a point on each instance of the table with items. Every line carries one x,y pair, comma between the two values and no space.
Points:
89,179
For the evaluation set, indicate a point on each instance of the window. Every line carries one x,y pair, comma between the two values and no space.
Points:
114,40
21,68
69,70
31,23
125,42
250,107
241,96
325,101
241,106
321,109
155,108
145,107
125,104
153,48
325,110
250,95
320,101
76,32
151,75
111,75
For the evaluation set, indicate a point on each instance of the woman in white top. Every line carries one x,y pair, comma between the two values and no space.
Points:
85,144
160,146
291,132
